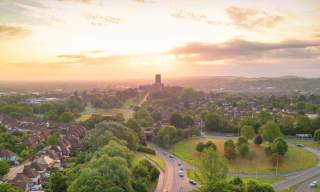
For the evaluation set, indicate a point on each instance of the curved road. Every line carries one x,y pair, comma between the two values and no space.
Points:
169,180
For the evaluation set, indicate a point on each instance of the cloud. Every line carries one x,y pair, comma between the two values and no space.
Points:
193,16
144,1
237,49
13,31
252,19
81,1
100,20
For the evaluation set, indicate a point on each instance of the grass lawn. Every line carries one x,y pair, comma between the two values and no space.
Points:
157,160
265,179
154,158
125,110
296,159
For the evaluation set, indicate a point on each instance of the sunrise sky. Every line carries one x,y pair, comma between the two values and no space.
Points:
124,39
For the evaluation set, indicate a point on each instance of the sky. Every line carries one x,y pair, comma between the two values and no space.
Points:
130,39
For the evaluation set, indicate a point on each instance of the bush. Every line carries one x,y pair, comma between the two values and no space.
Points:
317,135
258,140
200,147
244,149
146,149
229,149
4,168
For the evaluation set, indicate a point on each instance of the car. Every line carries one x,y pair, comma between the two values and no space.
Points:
300,145
181,174
192,182
179,163
181,168
313,184
171,156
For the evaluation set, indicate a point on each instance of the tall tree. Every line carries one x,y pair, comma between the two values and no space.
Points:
212,167
247,132
270,131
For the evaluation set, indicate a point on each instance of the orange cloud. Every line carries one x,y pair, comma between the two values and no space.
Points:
102,19
252,19
13,31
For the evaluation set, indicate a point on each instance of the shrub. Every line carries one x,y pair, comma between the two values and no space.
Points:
244,149
200,147
258,140
229,149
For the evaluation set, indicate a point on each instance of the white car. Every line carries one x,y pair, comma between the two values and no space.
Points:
313,184
181,174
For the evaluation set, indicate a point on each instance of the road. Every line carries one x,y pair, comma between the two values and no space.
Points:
169,180
302,177
304,186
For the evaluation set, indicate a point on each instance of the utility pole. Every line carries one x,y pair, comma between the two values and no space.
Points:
277,166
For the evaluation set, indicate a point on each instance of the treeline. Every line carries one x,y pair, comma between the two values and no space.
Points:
106,164
65,111
299,124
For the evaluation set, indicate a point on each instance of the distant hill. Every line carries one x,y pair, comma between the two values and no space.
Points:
280,85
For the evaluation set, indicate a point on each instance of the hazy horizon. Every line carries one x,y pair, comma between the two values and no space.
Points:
100,40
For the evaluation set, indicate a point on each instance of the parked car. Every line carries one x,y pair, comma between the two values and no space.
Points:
181,174
179,163
300,145
171,156
192,182
313,184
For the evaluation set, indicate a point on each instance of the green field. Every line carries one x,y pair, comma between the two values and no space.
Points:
125,110
157,160
295,160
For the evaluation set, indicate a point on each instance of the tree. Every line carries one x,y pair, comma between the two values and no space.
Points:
66,117
188,121
57,182
270,131
279,146
317,135
253,186
212,167
258,140
247,132
303,124
286,124
230,149
4,168
244,149
241,140
177,120
166,136
200,147
5,187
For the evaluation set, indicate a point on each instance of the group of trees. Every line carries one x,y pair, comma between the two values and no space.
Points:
300,124
180,121
204,146
14,141
166,136
216,122
213,175
64,112
113,99
105,164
